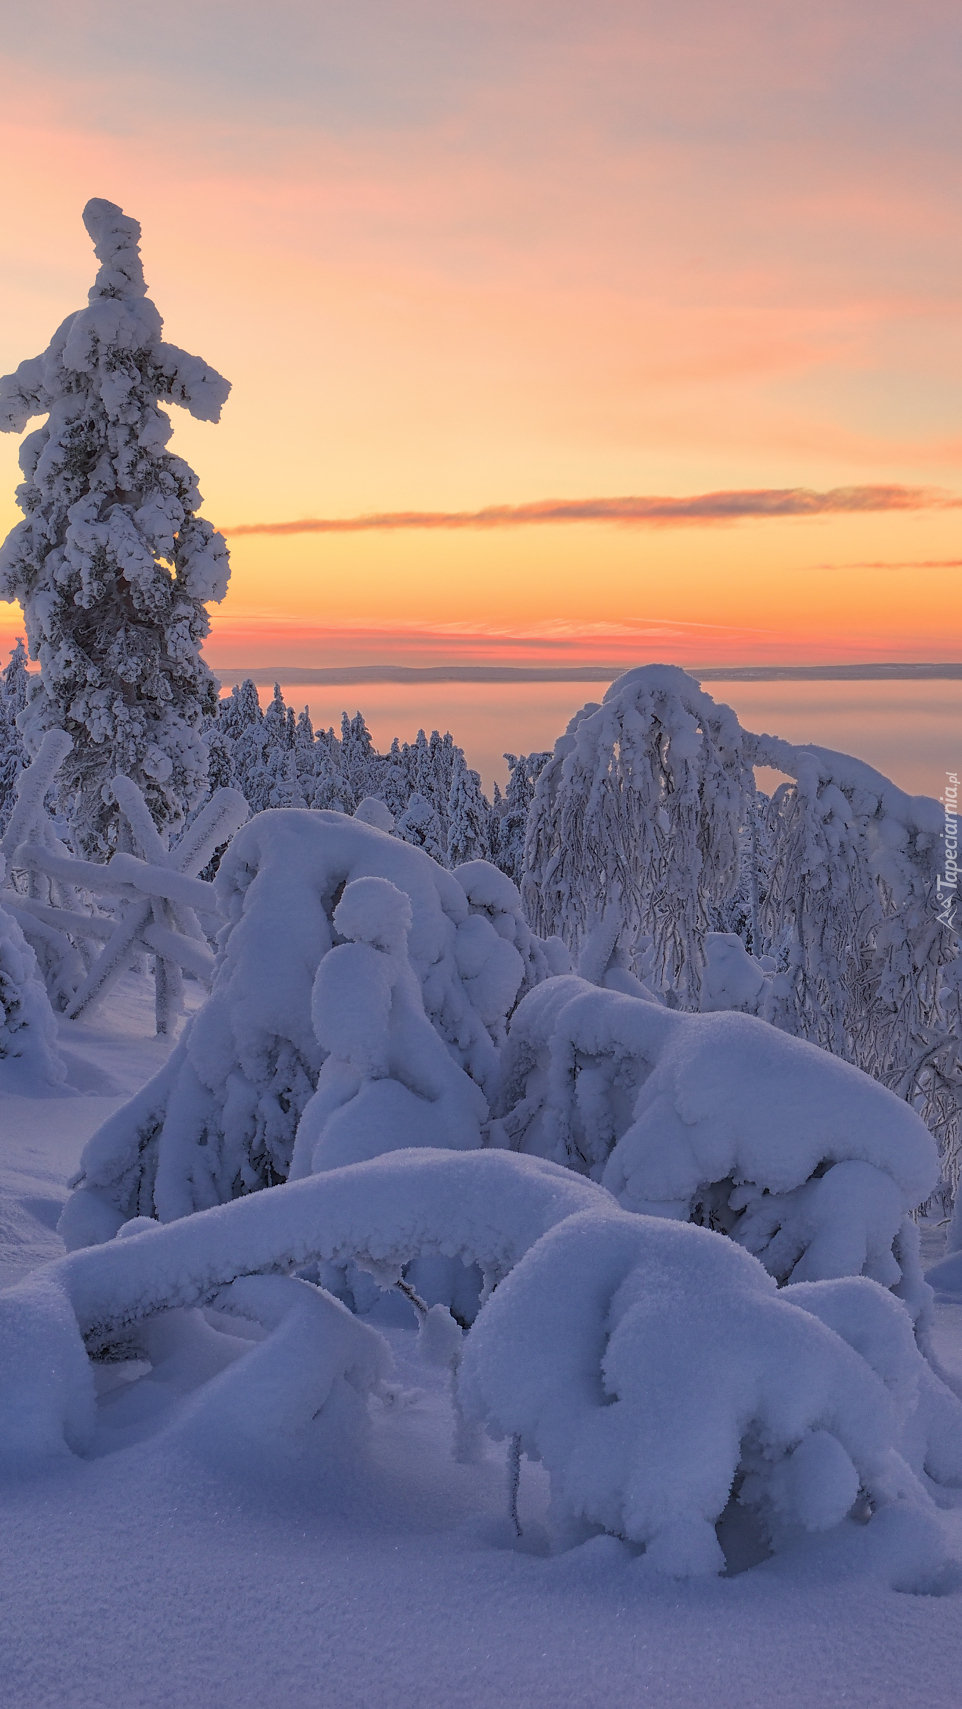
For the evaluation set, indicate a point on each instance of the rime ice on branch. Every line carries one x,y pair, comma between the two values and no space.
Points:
112,565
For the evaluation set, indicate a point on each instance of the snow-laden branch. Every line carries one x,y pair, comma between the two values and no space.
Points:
485,1208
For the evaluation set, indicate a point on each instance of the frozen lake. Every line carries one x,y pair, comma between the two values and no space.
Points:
911,731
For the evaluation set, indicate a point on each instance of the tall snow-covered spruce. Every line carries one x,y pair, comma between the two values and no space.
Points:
112,565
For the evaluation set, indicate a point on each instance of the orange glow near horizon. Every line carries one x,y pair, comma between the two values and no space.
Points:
463,261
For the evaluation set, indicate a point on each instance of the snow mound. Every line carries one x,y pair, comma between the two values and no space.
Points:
315,1361
659,1374
221,1117
723,1120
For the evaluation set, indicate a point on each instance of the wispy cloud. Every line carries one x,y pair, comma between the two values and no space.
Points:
656,512
906,564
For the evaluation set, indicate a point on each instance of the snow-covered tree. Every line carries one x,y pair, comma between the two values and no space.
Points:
221,1116
722,1120
468,812
419,824
29,1054
307,751
277,759
240,722
112,565
523,773
646,830
286,789
867,965
638,814
13,699
358,761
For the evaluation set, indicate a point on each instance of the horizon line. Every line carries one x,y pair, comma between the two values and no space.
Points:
347,675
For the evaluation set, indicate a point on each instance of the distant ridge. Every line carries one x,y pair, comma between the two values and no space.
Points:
333,675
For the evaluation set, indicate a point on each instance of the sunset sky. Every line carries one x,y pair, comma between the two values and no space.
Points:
461,256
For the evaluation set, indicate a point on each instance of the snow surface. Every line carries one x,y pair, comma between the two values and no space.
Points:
176,1564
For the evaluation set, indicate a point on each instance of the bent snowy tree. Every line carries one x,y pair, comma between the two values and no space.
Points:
722,1120
112,565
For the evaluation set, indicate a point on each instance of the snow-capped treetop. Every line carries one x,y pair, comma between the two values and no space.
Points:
119,317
